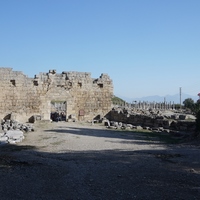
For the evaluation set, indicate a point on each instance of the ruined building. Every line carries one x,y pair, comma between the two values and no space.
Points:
75,93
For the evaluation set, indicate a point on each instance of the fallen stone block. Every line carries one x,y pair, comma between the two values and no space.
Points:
15,134
12,141
129,125
2,134
18,140
35,118
3,139
139,127
146,128
106,123
120,124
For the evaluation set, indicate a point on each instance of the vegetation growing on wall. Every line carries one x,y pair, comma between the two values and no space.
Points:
118,101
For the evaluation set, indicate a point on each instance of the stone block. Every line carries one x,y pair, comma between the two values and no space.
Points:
139,127
14,134
12,141
3,139
2,134
35,118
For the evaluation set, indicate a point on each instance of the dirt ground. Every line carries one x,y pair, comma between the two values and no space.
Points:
79,161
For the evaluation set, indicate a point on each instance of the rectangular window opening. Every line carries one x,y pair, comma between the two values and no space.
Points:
100,85
80,85
35,83
13,82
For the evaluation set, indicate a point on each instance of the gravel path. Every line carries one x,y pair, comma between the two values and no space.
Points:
79,161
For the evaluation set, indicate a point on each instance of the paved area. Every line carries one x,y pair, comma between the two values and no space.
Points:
82,161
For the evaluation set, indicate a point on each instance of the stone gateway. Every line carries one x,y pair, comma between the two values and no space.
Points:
70,95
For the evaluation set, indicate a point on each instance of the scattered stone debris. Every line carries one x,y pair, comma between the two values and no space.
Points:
13,132
153,120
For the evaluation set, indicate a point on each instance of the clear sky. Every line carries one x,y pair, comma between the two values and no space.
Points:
148,47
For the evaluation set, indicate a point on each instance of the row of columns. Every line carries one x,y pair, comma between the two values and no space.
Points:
150,105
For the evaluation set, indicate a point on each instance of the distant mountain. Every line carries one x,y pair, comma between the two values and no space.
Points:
173,98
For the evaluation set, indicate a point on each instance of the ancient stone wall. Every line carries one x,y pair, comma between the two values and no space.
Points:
154,122
84,97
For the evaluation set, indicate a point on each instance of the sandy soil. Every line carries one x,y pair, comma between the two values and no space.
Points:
83,161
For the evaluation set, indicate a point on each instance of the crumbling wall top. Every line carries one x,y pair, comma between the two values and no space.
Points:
77,75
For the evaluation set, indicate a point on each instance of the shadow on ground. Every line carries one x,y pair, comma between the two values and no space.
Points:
27,173
131,136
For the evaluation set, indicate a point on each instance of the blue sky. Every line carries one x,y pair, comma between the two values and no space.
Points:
148,47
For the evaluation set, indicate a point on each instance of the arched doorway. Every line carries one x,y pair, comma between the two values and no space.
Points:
58,110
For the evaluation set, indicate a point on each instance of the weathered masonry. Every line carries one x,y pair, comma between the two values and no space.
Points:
75,93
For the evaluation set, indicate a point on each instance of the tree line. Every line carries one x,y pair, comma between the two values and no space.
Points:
194,107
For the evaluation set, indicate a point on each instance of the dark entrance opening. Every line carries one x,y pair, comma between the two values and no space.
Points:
58,111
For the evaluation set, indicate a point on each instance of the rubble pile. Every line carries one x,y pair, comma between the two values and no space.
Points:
154,120
13,132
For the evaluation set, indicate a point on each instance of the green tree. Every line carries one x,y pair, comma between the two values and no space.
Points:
117,100
198,121
196,107
196,110
189,103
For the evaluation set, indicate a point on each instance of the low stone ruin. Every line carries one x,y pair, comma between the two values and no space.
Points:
13,132
153,120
